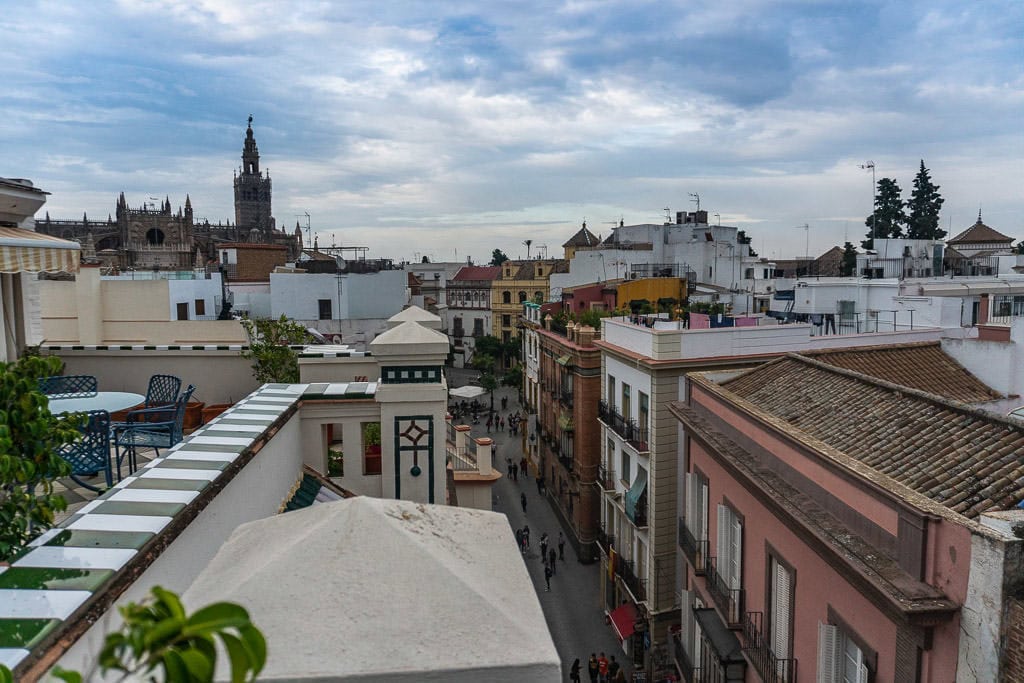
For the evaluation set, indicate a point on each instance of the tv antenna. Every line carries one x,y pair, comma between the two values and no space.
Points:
668,215
696,199
807,239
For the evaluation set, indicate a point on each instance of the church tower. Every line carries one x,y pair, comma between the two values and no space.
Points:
252,192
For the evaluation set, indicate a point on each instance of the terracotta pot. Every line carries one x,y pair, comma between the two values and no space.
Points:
193,415
213,410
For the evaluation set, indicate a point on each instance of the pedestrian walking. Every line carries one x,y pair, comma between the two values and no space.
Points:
508,466
524,543
574,671
489,423
526,534
522,501
613,668
592,668
561,546
602,668
547,577
540,484
544,544
522,466
551,560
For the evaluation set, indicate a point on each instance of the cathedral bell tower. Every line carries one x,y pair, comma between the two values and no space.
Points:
252,192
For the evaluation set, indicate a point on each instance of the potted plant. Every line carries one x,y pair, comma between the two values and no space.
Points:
269,348
30,437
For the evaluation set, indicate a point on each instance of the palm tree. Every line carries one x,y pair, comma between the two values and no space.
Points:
527,243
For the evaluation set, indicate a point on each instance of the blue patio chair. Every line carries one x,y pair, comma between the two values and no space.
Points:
162,391
154,428
66,386
91,453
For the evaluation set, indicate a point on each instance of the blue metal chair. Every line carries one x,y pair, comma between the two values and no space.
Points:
154,428
162,392
66,386
91,453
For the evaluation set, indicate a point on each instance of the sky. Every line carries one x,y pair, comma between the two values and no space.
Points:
448,129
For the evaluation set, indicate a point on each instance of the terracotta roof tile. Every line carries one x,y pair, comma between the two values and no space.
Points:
979,232
478,273
965,459
923,366
583,238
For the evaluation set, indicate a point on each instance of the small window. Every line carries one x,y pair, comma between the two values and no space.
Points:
748,274
506,321
624,472
371,448
765,274
324,306
522,297
611,392
506,297
200,306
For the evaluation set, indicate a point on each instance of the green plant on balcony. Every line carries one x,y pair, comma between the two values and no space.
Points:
29,465
270,349
335,463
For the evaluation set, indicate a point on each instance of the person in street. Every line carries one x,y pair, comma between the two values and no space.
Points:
526,534
592,668
519,538
574,671
522,466
602,668
547,577
561,546
613,668
523,544
515,473
551,560
508,466
540,484
522,501
544,545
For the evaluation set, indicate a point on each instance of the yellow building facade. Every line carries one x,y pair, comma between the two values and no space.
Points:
520,281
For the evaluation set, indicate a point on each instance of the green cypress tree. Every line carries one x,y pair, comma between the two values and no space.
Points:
848,266
924,204
888,213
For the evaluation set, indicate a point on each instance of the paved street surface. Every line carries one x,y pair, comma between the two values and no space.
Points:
572,607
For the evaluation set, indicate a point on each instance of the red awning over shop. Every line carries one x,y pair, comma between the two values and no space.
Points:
623,617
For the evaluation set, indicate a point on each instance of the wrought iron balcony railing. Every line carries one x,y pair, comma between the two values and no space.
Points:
690,673
758,652
637,585
639,513
729,600
605,540
606,478
635,435
696,552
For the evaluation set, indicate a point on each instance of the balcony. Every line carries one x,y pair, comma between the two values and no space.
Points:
606,478
636,585
565,396
638,513
730,601
605,540
760,655
690,673
633,434
696,552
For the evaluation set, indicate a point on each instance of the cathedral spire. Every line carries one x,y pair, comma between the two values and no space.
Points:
250,153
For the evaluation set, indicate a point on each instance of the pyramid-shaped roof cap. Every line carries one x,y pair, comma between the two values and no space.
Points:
380,589
410,339
979,232
583,238
417,315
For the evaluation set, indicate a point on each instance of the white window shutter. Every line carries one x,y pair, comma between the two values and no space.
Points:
722,541
736,551
782,599
862,673
702,509
691,505
828,644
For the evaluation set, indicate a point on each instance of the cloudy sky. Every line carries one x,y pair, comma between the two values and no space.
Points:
450,128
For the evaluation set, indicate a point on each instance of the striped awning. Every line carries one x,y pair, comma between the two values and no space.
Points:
24,251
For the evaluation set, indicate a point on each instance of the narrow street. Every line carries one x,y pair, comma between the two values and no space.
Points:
572,607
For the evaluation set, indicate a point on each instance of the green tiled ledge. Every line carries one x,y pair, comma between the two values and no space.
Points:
156,483
54,578
80,538
25,633
142,509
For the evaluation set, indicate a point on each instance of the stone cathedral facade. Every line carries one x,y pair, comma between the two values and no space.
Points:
159,237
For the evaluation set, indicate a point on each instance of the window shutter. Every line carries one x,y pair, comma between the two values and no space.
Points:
691,505
702,509
862,673
736,551
828,643
722,541
782,598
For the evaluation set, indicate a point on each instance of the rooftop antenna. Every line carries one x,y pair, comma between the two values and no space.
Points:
668,215
870,165
807,239
696,199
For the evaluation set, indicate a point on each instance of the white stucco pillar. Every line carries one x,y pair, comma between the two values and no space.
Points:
484,455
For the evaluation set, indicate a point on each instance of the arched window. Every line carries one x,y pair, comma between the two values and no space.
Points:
522,297
155,236
538,297
506,297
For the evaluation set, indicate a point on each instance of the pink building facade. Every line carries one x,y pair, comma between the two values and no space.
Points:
806,560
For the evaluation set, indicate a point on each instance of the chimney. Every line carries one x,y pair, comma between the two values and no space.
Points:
570,331
680,217
700,217
547,322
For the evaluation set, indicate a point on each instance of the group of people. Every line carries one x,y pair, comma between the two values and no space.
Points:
547,551
601,669
498,421
514,470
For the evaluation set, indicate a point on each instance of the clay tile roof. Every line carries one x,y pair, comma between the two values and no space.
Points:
979,232
478,273
583,238
960,457
924,366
